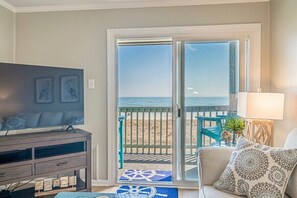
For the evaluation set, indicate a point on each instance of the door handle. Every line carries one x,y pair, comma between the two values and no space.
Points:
177,111
62,164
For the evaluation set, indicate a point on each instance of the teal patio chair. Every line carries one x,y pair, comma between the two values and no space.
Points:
213,132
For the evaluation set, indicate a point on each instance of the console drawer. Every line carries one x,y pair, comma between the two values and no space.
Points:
60,164
15,172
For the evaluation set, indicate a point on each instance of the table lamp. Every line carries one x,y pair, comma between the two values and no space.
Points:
259,110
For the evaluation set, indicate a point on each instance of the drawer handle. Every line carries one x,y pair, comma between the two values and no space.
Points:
62,164
3,175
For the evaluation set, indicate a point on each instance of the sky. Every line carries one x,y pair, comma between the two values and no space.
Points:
207,69
146,71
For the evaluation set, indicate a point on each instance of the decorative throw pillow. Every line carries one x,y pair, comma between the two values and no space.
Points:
13,123
257,171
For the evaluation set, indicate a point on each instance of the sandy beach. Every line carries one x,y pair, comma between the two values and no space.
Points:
151,133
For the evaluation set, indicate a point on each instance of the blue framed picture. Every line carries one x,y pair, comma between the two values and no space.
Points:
69,88
44,90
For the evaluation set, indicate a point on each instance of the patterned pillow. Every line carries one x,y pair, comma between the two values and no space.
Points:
257,171
13,123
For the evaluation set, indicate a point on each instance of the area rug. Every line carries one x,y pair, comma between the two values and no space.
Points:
151,192
146,175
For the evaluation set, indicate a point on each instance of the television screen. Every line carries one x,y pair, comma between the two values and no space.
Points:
39,97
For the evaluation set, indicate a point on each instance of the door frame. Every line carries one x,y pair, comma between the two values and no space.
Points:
251,31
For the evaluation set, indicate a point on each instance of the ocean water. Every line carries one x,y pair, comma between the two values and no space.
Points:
167,101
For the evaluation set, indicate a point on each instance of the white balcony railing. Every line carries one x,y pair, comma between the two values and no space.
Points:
148,130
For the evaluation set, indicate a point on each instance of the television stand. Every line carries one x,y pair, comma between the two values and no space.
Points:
44,154
4,193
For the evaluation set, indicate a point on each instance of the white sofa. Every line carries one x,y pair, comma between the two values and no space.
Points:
213,160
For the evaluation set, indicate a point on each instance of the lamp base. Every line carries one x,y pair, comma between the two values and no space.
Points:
259,131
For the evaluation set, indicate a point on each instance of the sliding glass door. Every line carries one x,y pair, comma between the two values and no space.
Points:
165,89
207,81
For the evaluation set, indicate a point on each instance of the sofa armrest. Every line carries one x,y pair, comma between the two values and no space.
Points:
211,163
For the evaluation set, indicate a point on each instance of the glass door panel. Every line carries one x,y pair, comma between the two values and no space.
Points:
210,81
145,112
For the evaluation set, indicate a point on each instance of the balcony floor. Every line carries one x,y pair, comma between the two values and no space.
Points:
156,159
159,162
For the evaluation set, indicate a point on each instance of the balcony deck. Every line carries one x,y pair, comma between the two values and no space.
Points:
147,137
158,162
157,159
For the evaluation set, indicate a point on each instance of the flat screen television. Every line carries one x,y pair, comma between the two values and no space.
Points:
40,97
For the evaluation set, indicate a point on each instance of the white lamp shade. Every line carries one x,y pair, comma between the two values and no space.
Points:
261,105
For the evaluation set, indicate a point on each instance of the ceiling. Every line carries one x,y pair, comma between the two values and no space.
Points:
20,6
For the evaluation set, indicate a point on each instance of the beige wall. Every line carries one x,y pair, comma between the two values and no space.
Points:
284,62
78,39
6,35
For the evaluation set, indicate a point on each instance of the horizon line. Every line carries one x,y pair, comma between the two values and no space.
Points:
171,96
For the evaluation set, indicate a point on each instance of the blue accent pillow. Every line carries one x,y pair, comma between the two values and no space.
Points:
14,122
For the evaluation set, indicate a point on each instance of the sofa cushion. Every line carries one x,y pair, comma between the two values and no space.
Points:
292,143
48,119
292,184
257,170
211,192
287,196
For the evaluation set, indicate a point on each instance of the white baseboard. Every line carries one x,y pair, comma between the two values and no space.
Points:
100,183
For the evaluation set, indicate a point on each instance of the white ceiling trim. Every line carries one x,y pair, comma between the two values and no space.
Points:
8,6
119,5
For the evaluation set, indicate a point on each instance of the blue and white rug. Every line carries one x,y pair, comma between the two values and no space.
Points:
85,195
151,192
146,175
